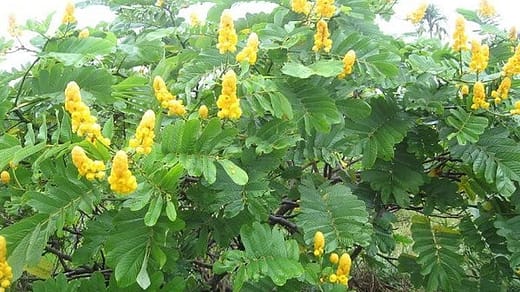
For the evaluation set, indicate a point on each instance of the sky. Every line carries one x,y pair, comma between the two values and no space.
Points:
39,9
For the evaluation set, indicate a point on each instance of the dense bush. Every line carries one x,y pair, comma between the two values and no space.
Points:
272,151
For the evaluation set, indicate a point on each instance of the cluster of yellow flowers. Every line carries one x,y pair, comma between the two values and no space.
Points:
250,50
13,28
513,64
319,243
301,6
83,124
322,37
144,135
348,62
90,169
203,111
121,179
464,89
5,177
344,262
418,14
83,34
228,102
166,99
460,38
486,9
503,90
325,8
194,19
6,273
227,36
479,96
68,16
516,109
479,57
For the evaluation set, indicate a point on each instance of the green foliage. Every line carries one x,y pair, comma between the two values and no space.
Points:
226,204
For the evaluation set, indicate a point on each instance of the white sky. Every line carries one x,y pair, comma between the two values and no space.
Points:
39,9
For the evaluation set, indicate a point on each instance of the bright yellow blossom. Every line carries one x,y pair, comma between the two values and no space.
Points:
227,36
250,51
68,16
5,177
460,39
6,272
486,9
503,90
83,34
325,8
348,62
166,98
418,14
464,90
159,3
512,66
228,102
203,111
516,109
121,179
334,258
90,169
343,271
479,57
319,243
83,123
301,6
333,278
479,96
144,135
322,37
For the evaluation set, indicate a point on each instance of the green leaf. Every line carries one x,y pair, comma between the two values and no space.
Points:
325,68
273,135
74,51
154,210
237,174
386,126
297,70
437,247
171,212
266,253
468,126
334,211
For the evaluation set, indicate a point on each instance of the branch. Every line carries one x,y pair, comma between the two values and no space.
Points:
292,227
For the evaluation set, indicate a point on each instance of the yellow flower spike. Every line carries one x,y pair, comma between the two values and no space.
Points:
516,109
83,123
325,8
479,57
249,53
90,169
464,90
13,28
348,63
460,39
512,66
121,179
5,177
344,265
228,102
84,34
319,243
343,279
479,96
334,258
322,37
418,14
503,90
203,111
144,134
167,99
227,36
68,16
486,9
6,272
301,6
194,19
